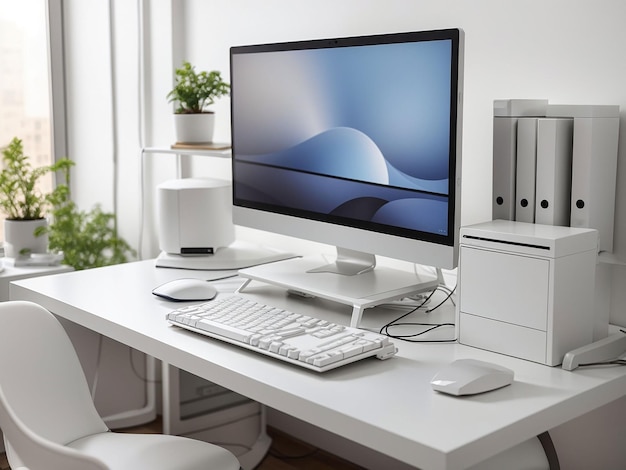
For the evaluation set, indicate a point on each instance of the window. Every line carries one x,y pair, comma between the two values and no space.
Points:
25,83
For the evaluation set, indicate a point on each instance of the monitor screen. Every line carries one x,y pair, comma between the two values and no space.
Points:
353,142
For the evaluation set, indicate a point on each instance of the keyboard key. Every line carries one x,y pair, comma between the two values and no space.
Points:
224,330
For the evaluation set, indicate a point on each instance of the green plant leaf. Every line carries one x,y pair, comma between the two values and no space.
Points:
87,239
196,91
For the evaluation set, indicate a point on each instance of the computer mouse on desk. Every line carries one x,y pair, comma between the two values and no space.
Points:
186,290
471,376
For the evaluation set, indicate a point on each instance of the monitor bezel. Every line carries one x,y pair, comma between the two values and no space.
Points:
414,246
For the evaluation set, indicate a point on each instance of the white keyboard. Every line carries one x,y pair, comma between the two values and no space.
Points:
299,339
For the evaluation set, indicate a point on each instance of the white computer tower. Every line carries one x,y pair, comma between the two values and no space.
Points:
526,290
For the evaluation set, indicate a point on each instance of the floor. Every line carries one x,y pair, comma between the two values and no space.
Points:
286,453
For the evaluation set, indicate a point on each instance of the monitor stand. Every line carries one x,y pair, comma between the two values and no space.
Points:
366,287
237,255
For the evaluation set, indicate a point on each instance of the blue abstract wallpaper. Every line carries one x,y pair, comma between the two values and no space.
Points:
356,134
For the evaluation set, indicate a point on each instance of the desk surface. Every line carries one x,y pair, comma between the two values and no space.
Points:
385,405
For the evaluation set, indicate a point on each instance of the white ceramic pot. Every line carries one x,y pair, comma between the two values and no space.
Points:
19,237
194,128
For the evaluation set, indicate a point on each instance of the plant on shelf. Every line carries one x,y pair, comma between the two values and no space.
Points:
24,205
87,239
193,93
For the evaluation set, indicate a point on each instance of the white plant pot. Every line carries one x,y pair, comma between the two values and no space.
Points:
19,237
194,128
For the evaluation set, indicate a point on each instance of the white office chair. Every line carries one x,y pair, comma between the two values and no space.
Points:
49,420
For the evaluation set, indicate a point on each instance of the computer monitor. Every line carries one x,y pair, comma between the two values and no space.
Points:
353,142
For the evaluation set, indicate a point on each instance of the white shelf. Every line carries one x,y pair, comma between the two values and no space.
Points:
211,150
220,150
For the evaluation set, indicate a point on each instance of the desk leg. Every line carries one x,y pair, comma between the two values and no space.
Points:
171,399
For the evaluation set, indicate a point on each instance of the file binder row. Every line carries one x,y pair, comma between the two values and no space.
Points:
556,164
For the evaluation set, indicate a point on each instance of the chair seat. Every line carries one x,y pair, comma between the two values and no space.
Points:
121,451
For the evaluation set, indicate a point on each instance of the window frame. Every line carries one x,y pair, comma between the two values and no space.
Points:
56,68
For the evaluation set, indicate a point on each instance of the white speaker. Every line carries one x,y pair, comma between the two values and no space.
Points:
194,216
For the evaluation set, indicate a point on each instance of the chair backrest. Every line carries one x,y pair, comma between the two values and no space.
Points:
44,397
25,447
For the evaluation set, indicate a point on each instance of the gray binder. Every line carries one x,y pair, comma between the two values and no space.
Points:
594,167
554,171
526,170
505,117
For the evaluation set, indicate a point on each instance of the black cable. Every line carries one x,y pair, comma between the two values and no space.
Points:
414,309
433,326
384,330
613,362
448,297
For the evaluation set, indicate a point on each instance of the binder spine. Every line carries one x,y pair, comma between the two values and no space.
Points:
554,171
504,162
526,170
594,171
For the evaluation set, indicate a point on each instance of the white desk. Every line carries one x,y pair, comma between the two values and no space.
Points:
9,274
385,405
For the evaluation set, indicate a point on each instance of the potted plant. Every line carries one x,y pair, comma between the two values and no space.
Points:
194,92
87,239
23,204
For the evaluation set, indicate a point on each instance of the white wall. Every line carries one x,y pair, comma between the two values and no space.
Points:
568,51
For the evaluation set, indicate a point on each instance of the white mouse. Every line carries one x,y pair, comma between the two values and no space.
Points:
186,289
470,376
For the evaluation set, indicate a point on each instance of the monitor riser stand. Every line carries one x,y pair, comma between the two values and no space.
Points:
238,255
378,286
